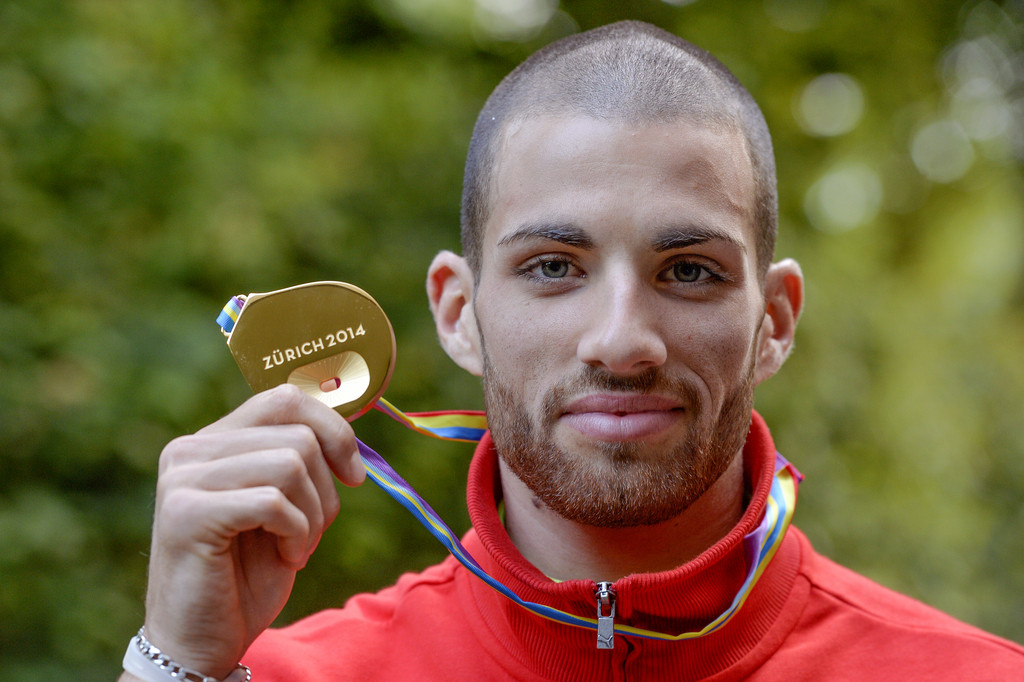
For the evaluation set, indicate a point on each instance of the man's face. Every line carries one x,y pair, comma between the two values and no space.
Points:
619,307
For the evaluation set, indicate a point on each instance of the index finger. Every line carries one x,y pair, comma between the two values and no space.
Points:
288,404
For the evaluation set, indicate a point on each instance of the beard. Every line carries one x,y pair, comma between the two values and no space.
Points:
617,484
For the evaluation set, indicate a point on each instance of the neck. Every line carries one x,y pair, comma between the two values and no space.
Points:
566,550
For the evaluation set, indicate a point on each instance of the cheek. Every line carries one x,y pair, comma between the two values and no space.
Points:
520,347
718,348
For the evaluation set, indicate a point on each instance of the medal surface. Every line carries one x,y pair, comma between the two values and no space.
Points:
331,339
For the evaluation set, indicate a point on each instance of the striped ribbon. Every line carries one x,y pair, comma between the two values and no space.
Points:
229,315
467,426
759,545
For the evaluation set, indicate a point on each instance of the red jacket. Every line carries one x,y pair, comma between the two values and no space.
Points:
806,619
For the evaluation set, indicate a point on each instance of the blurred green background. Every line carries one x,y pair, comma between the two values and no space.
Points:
158,157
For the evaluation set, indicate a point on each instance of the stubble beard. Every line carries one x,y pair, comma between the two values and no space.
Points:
617,484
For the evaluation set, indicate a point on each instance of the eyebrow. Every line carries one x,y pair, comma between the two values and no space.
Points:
689,235
563,233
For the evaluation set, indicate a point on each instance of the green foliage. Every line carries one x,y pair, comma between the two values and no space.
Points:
156,158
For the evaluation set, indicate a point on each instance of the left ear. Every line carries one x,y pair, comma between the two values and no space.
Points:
784,299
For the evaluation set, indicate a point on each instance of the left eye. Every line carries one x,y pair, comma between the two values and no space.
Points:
688,272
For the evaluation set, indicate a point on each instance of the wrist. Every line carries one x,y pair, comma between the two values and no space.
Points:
148,663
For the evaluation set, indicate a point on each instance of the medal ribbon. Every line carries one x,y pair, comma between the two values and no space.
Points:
759,545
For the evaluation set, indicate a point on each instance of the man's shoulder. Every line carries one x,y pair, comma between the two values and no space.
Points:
360,639
847,613
433,584
849,591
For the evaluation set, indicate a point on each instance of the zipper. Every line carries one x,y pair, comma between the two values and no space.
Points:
605,594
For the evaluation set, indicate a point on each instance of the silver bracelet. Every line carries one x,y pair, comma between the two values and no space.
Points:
148,663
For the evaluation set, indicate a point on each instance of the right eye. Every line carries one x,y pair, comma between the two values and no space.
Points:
553,269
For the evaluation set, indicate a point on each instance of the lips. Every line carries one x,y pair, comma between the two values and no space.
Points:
622,416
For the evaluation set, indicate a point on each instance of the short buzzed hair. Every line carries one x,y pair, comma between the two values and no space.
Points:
632,72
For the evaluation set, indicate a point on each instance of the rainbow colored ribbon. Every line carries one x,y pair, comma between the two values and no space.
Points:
759,545
229,315
467,426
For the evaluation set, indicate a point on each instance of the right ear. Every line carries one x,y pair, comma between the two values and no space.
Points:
450,291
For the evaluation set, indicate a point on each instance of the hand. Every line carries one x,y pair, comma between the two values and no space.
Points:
240,507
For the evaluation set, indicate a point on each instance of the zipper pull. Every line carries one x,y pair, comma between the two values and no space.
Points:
605,616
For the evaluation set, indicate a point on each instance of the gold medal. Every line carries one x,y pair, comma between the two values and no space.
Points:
331,339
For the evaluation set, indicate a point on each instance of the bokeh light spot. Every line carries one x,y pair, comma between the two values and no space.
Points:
831,104
844,198
942,152
514,19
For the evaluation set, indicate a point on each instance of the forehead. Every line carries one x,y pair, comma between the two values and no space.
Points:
573,169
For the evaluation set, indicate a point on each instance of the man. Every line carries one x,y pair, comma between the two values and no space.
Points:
617,295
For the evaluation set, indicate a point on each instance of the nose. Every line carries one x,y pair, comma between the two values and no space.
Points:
622,333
